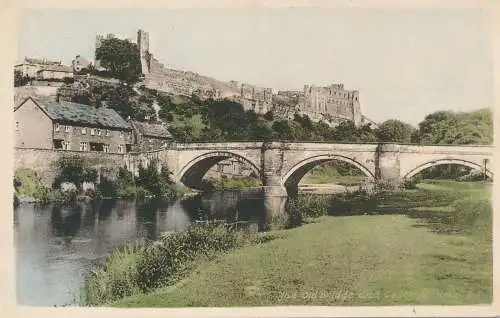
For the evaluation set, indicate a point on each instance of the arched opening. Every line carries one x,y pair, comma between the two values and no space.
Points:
216,168
326,174
449,169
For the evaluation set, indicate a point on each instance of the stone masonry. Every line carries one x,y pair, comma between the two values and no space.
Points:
331,104
281,165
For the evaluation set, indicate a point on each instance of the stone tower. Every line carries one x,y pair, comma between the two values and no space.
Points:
98,41
143,44
356,108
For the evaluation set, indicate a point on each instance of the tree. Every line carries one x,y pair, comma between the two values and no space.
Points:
76,170
446,127
157,181
19,79
121,58
394,130
346,131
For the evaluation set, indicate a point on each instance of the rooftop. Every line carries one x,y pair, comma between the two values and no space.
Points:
85,115
158,130
57,68
41,61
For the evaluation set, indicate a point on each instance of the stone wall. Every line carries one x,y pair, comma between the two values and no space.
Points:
43,160
331,104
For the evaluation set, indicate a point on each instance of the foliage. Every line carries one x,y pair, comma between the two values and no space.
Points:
107,187
394,130
157,181
117,279
76,170
122,98
446,127
19,79
224,120
121,58
236,183
305,207
139,269
28,184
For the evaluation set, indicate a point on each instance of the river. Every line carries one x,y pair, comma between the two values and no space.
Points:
56,247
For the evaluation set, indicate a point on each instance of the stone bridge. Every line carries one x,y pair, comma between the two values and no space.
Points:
282,165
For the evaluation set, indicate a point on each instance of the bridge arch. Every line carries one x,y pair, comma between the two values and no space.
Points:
192,173
292,178
438,162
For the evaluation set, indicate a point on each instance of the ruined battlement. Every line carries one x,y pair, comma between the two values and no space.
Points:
331,103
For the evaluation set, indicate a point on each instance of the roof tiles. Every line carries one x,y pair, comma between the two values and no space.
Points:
85,115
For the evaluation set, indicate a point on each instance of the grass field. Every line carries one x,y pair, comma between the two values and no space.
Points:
436,251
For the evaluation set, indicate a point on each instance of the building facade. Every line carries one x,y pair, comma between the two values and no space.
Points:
54,73
70,126
30,67
149,136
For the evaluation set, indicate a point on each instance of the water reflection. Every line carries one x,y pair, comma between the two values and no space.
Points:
56,247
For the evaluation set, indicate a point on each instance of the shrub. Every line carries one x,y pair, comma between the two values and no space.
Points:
131,191
160,264
137,269
114,281
76,170
299,209
27,183
411,183
107,187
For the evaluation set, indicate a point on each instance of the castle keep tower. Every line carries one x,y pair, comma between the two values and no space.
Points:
143,44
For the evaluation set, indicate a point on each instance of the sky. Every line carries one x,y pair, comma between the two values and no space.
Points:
405,64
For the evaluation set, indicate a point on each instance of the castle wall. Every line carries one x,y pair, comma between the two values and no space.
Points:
319,103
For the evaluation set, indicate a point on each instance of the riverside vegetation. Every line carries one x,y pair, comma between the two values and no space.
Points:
427,245
75,171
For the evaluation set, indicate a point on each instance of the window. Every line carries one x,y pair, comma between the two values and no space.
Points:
84,146
98,132
67,128
120,148
66,145
92,131
57,127
107,133
58,144
17,125
121,133
105,148
84,131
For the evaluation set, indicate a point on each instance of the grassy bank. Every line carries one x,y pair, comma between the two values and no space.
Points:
428,246
331,174
139,269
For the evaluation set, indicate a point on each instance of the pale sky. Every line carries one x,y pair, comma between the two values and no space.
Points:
405,64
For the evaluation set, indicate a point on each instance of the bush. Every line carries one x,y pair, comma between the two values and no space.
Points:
299,209
108,188
412,182
28,184
116,280
137,269
131,191
160,264
237,183
76,170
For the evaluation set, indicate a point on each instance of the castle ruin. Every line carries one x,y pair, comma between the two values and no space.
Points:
331,104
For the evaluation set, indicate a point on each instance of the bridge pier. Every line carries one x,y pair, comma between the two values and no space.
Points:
272,165
387,166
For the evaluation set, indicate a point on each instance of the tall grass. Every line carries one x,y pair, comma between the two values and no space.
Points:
139,269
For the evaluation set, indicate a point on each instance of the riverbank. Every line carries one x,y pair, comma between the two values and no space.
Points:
428,246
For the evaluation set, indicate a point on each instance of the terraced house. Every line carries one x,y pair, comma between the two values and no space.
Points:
70,126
